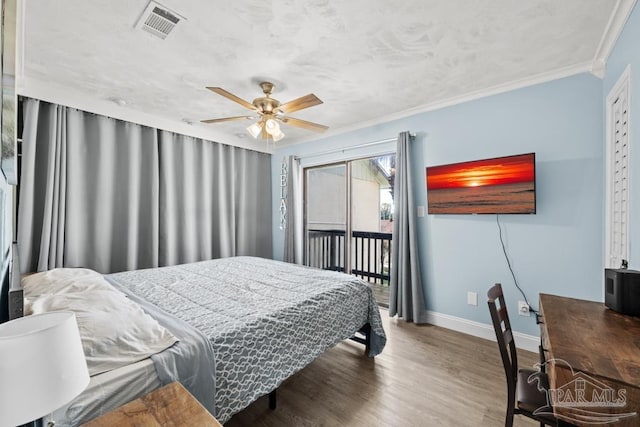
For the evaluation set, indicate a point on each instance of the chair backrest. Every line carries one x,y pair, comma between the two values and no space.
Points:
504,336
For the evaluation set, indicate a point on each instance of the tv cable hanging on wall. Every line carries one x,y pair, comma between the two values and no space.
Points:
513,275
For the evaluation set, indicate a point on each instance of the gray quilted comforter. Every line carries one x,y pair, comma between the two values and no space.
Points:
265,319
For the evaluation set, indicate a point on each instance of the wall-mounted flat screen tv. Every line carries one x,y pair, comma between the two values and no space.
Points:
502,185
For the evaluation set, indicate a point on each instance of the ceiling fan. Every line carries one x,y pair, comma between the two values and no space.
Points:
270,111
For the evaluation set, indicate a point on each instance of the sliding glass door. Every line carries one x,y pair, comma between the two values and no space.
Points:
326,216
371,216
348,217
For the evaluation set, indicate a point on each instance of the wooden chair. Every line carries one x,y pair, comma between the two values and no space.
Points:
530,395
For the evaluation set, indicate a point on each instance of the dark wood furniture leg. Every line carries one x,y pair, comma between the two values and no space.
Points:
272,399
366,331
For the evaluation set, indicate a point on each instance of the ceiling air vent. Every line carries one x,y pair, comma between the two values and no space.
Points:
158,20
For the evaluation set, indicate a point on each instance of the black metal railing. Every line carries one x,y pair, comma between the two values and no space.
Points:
371,253
325,249
372,257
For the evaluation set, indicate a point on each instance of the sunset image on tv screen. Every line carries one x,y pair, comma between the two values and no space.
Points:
500,185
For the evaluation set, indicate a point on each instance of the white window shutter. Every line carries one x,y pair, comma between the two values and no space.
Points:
617,189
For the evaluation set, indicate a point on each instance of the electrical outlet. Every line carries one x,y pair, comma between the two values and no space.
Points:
523,309
472,298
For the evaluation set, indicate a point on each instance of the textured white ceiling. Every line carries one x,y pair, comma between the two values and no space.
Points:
366,59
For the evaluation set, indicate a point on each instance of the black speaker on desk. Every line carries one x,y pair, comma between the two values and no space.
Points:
622,290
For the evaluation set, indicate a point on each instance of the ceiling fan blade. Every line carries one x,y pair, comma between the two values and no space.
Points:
300,103
227,119
304,124
232,97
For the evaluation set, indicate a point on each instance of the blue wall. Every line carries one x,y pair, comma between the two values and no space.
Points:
558,250
627,52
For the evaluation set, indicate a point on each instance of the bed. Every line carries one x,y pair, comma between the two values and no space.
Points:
242,325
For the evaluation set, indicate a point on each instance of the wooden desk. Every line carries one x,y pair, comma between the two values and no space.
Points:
594,349
171,405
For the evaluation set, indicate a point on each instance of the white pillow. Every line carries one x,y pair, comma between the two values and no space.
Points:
115,331
63,280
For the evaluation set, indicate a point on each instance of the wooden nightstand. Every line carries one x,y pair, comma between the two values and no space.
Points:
171,405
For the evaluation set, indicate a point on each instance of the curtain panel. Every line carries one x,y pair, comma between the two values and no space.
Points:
406,295
110,195
294,231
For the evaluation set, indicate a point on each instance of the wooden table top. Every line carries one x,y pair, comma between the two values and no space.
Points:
171,405
592,338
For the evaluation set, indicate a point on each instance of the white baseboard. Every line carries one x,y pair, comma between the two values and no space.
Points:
482,330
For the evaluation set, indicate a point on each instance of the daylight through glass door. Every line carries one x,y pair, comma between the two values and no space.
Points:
352,199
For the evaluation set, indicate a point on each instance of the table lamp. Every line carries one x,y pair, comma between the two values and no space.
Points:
42,366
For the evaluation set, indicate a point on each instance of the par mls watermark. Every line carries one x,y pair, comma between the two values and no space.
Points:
600,398
582,399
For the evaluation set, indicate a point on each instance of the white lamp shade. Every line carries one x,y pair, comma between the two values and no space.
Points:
272,127
42,366
255,129
278,135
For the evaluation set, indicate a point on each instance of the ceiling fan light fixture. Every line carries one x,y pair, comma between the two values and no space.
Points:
255,129
272,127
277,136
270,112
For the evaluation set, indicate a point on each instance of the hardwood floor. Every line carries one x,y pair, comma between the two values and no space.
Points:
426,376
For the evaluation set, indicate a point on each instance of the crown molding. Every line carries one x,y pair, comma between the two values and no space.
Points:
559,73
621,12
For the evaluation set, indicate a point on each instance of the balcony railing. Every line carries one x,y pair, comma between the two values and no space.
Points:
370,253
325,249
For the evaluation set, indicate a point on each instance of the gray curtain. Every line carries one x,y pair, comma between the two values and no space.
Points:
293,232
406,297
111,195
215,200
